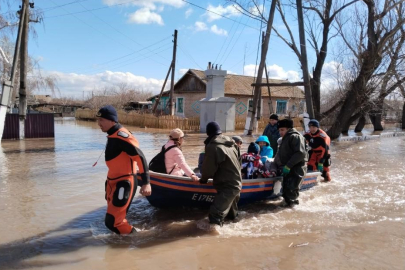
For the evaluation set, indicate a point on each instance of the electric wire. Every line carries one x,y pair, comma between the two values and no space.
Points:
117,30
183,50
112,39
79,12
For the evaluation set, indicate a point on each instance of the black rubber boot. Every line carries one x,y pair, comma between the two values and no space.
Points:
215,221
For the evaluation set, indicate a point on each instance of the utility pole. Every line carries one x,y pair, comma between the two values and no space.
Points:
268,89
171,101
8,85
265,45
22,107
304,61
244,58
157,100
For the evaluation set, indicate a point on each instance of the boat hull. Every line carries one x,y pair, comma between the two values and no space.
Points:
174,191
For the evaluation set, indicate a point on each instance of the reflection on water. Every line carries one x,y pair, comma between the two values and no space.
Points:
52,208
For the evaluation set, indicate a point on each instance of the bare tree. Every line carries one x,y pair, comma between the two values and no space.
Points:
117,95
36,80
320,18
379,30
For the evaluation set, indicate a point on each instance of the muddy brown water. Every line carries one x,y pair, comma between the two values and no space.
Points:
52,210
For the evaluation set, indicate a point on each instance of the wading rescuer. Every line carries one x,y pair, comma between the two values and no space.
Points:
222,164
293,155
319,145
123,158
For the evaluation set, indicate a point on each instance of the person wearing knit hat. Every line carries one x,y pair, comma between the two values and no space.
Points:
222,164
313,123
123,159
254,148
107,117
293,155
174,159
319,149
213,129
271,131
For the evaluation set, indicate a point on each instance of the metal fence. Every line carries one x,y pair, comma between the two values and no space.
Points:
39,125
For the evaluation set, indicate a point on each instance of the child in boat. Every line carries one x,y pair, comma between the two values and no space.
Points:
174,159
266,151
275,167
252,166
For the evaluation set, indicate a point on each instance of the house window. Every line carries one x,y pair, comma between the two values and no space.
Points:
302,106
281,107
180,105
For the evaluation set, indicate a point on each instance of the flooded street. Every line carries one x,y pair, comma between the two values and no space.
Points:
52,212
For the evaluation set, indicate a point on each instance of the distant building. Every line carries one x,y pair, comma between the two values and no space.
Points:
191,88
139,106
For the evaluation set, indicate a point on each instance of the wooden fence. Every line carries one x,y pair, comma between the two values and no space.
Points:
168,121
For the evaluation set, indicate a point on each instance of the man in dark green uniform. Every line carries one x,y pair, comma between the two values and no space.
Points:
222,164
293,155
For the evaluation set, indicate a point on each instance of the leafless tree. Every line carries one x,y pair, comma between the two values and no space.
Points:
36,80
320,18
117,95
376,44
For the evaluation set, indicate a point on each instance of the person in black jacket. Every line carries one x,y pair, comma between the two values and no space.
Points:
222,164
293,155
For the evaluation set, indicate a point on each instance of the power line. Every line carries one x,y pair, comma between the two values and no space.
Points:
109,36
104,7
74,2
236,41
144,48
132,61
117,30
188,55
229,43
223,16
223,44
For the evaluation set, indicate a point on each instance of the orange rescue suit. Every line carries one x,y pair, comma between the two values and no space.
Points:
123,158
319,145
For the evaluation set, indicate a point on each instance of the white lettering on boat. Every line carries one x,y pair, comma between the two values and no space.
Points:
202,197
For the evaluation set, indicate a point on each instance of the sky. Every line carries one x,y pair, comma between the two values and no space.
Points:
91,44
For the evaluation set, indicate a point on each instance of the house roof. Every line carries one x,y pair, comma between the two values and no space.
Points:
240,85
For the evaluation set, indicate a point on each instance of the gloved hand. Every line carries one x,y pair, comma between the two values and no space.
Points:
286,170
250,158
320,167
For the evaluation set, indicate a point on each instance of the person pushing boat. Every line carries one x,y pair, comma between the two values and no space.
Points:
222,164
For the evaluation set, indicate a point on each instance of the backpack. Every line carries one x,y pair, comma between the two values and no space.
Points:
157,164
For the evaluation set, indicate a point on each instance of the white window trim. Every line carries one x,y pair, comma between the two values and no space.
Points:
286,105
184,107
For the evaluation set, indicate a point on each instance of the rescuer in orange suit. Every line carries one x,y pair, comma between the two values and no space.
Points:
319,147
123,158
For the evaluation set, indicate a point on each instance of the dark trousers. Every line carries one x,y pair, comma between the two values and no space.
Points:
292,183
225,205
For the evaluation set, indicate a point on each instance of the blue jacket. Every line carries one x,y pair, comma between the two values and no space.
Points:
265,151
272,134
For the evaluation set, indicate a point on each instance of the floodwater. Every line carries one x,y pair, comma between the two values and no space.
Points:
52,212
